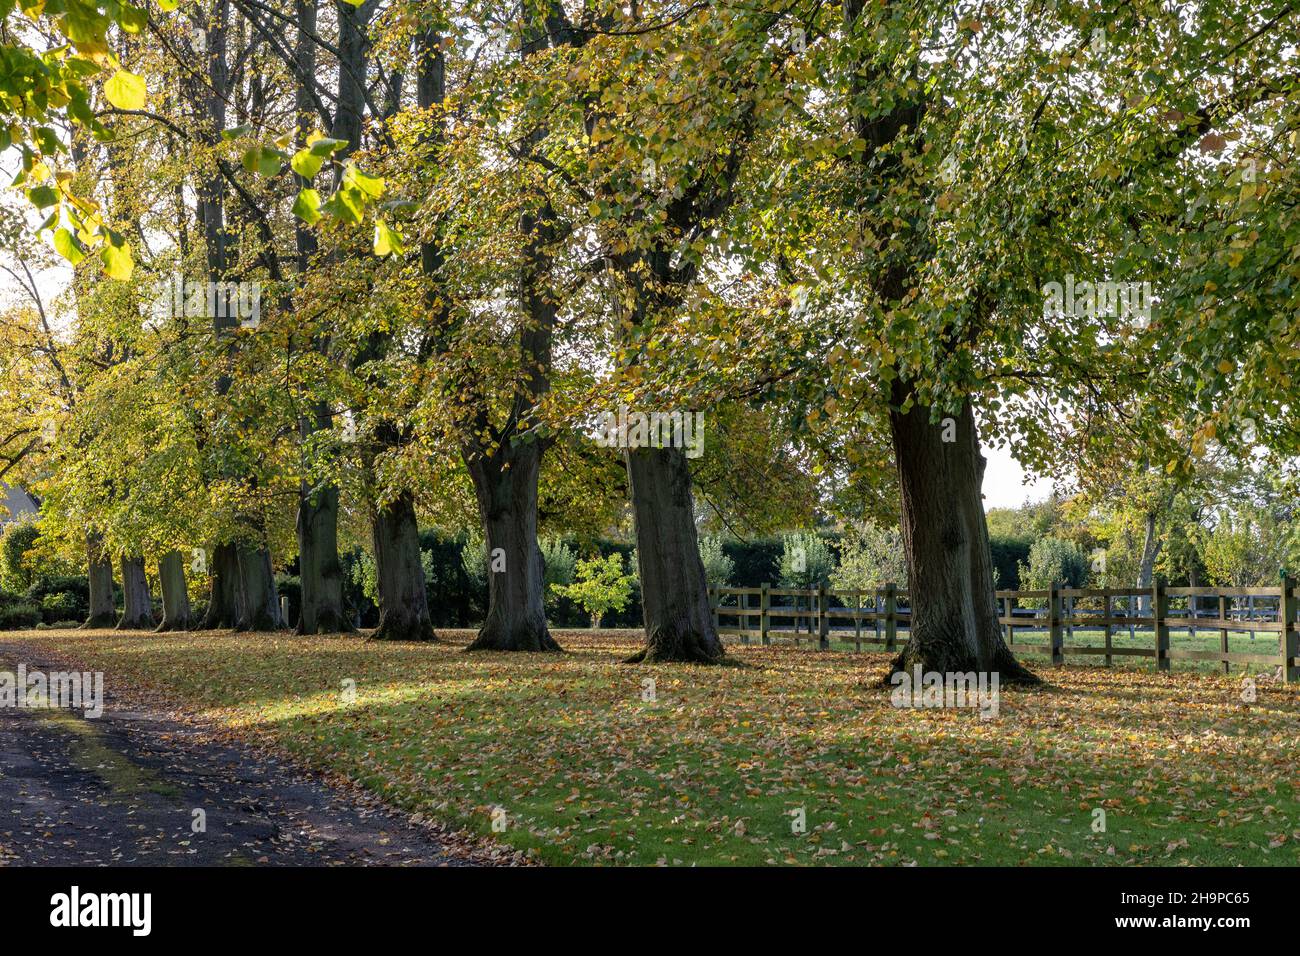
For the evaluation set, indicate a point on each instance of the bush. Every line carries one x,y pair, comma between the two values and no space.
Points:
19,616
1053,561
603,585
61,606
718,567
65,597
1008,554
870,557
755,562
806,561
17,539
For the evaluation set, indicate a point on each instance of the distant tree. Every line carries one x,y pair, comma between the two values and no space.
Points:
718,567
16,571
558,561
1054,561
602,585
870,556
806,561
1246,550
474,559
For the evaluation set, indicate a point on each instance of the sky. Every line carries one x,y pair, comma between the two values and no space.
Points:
1004,482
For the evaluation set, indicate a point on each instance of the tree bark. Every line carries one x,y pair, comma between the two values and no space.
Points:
1146,566
945,538
403,602
103,610
319,568
507,503
258,602
678,620
223,591
175,595
137,604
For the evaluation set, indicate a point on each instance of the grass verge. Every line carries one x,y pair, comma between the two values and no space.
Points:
717,767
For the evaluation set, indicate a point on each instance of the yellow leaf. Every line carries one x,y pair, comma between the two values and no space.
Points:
125,90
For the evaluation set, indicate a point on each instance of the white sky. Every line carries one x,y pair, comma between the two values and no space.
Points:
1005,483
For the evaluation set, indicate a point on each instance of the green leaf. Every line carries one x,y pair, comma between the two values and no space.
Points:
306,163
307,206
69,246
324,146
343,205
271,162
372,186
125,90
236,132
133,19
43,197
262,160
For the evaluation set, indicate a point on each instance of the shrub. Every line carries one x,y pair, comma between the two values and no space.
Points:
16,570
1053,561
19,616
61,606
806,561
603,585
718,567
64,597
870,557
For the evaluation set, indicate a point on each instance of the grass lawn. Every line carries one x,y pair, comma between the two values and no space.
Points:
711,771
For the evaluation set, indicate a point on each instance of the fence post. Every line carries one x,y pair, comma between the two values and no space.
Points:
1287,616
742,604
891,616
1159,615
1223,632
714,598
764,619
1106,608
857,620
823,620
1011,628
1054,622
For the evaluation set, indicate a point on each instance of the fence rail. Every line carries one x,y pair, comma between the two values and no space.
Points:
877,616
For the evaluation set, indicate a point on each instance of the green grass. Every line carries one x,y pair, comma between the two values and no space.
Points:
710,772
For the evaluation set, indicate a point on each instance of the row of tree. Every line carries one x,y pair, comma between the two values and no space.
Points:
421,244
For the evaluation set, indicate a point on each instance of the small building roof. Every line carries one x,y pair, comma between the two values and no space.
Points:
15,504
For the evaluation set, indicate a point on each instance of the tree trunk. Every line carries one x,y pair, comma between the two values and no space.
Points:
950,569
507,505
175,595
678,620
403,602
103,611
223,594
1147,565
258,601
137,604
319,567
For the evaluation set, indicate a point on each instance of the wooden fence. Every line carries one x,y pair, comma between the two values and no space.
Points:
881,617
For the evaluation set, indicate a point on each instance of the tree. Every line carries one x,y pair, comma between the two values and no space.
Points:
1054,562
806,561
602,586
718,567
871,556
